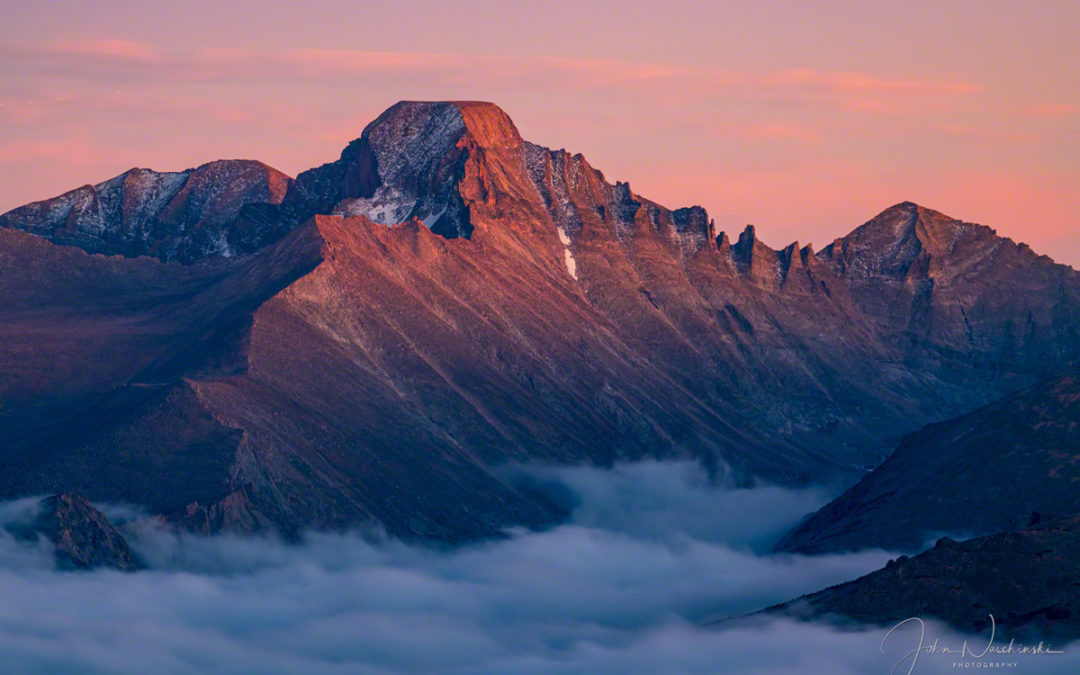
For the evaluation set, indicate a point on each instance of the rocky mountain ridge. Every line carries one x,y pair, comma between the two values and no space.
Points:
183,216
350,368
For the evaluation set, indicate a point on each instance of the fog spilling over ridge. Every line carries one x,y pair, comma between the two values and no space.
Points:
651,549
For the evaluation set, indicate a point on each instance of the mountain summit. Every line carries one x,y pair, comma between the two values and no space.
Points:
421,160
375,341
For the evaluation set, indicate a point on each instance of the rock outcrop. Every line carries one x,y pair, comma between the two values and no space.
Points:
83,538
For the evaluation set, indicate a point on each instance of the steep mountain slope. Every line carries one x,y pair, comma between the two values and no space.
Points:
355,369
98,348
1003,467
1027,580
185,215
789,334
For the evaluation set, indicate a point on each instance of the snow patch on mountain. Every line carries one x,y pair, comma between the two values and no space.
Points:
388,206
571,263
417,155
429,221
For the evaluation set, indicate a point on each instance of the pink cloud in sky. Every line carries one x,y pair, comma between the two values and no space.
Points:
335,61
1045,110
114,49
80,58
987,134
767,131
861,83
78,152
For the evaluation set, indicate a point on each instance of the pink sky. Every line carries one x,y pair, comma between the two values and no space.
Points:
805,119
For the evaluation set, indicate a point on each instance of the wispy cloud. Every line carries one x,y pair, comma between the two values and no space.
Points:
72,151
335,61
1048,110
120,50
861,83
86,59
986,133
627,587
777,131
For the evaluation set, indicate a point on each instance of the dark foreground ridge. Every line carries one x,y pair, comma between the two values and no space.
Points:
1007,466
1027,580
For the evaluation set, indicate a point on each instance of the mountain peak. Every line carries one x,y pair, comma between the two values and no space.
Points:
406,121
893,240
410,162
929,216
908,219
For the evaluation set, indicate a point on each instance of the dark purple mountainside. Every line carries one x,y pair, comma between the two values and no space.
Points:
1006,466
375,343
1028,580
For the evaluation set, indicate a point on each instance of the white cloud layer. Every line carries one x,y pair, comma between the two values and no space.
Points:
651,551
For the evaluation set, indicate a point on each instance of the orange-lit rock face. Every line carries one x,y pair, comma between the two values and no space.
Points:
446,297
429,161
488,125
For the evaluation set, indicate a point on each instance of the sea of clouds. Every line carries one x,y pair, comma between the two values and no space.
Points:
652,553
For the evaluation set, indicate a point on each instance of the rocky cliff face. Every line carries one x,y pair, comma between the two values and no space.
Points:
183,216
429,161
354,368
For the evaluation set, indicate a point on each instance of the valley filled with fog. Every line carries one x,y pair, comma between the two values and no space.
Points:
653,552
